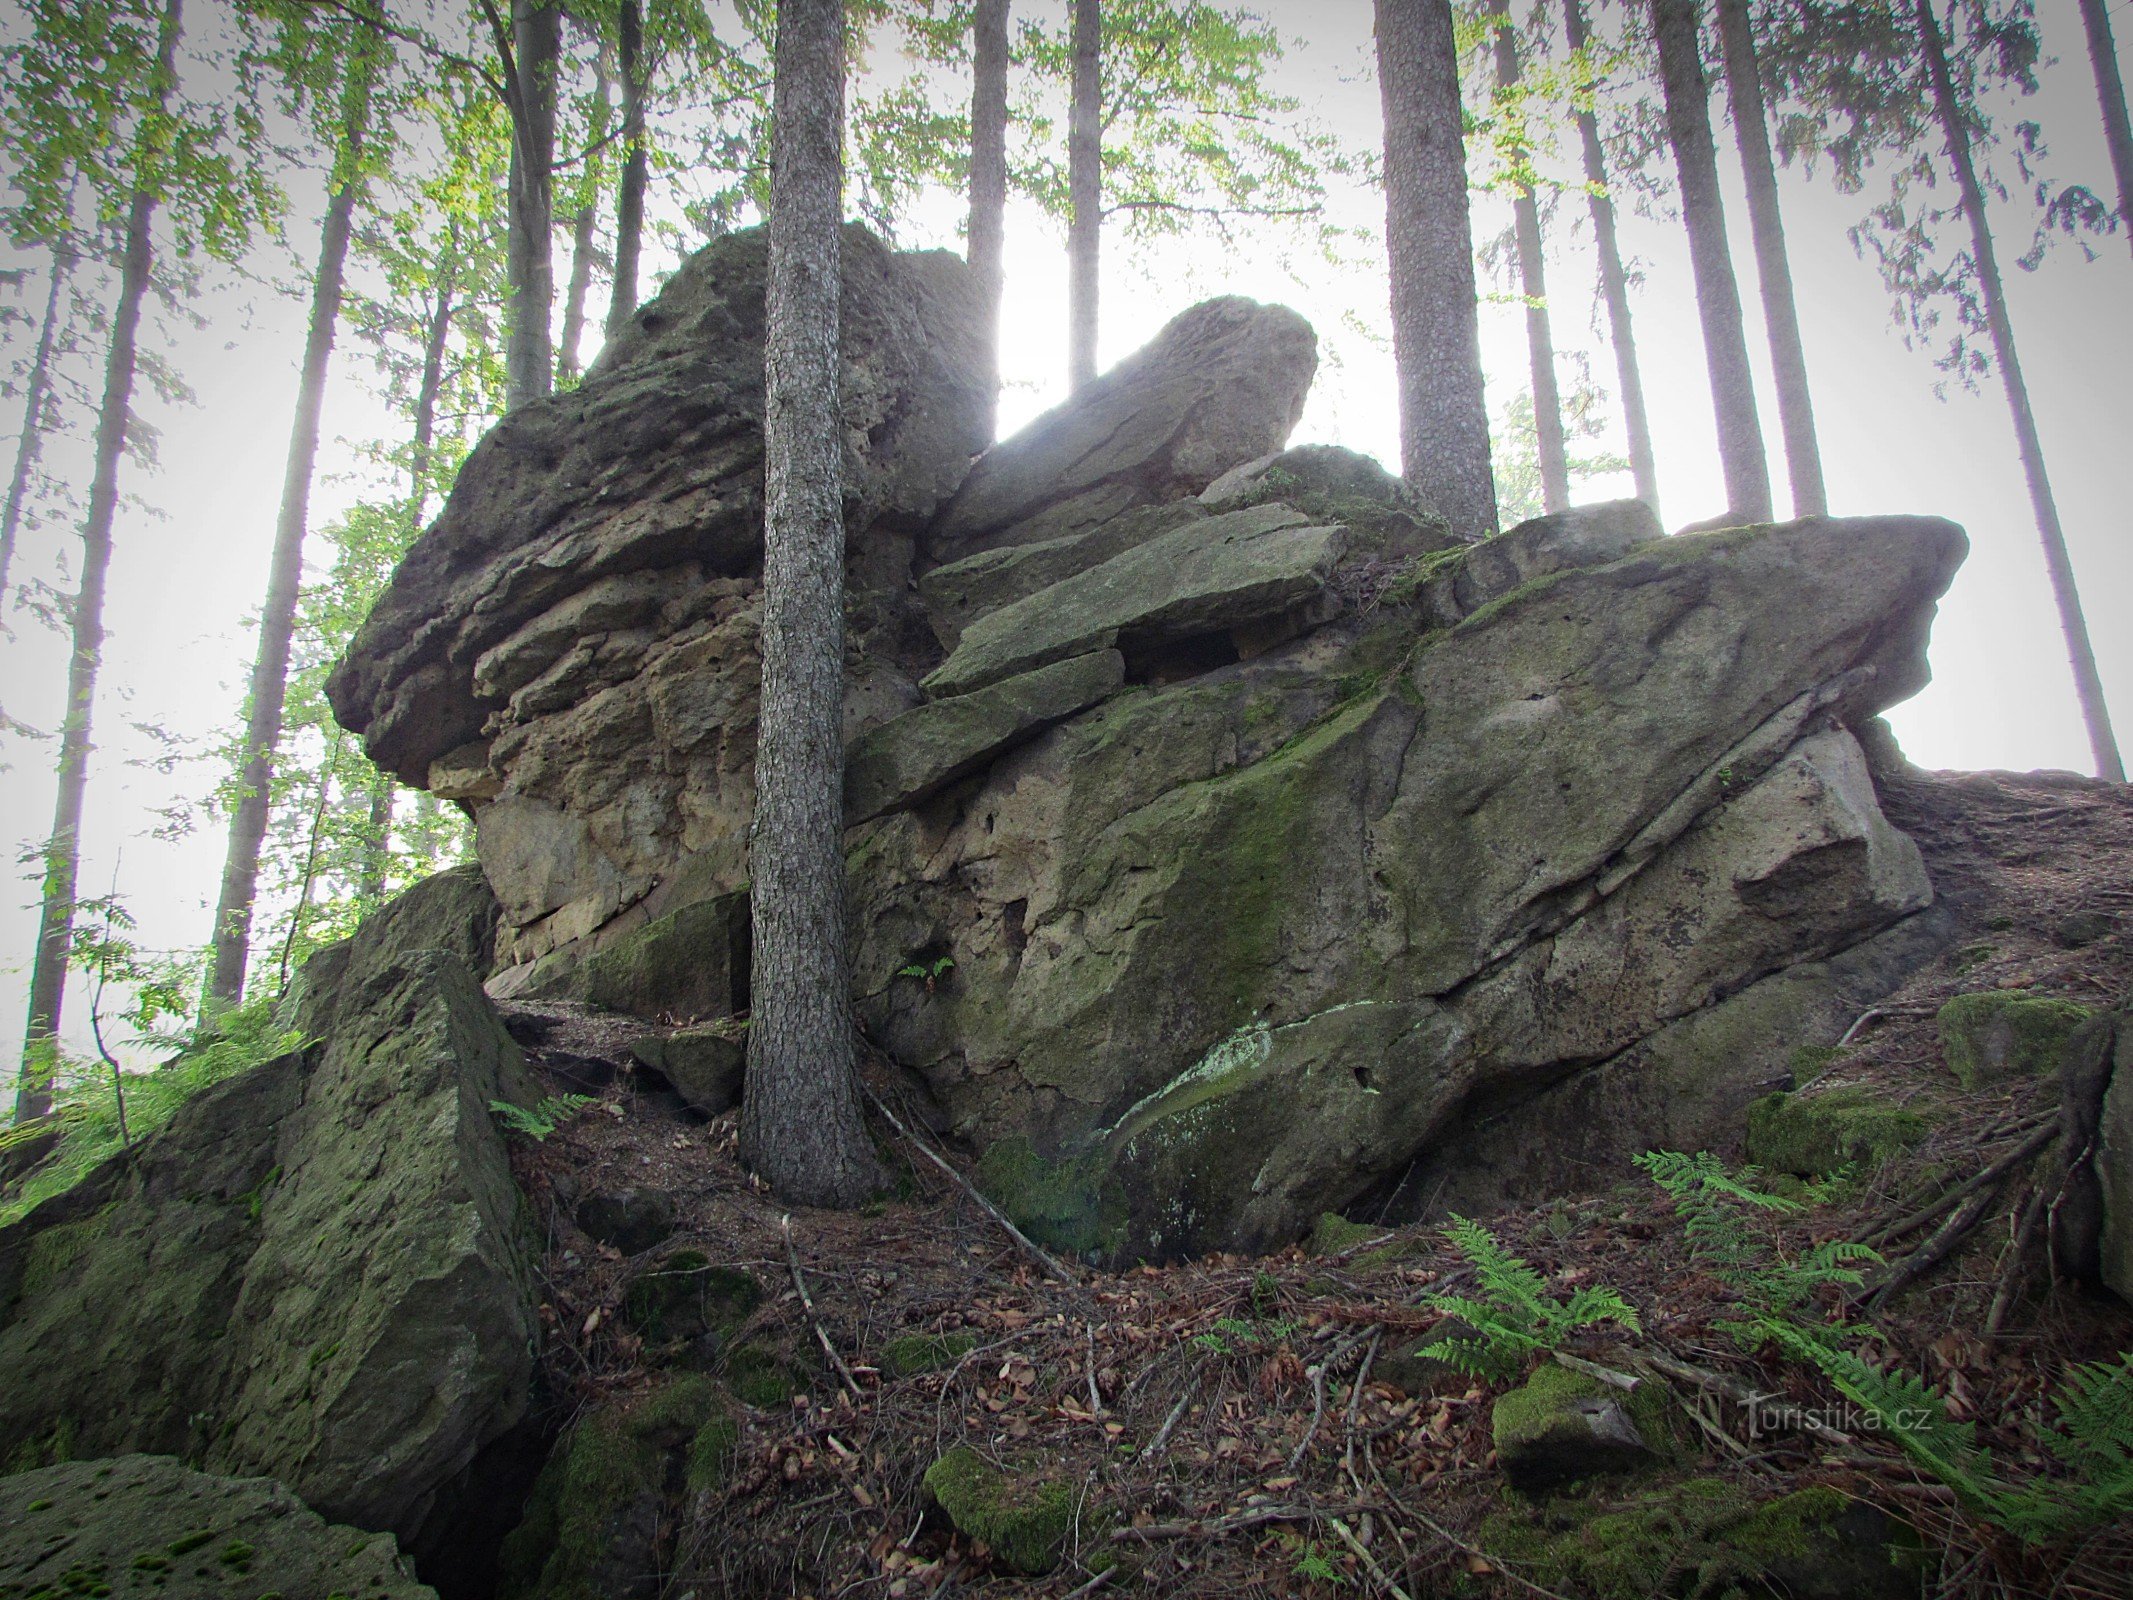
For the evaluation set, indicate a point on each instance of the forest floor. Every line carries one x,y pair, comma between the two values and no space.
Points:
1233,1426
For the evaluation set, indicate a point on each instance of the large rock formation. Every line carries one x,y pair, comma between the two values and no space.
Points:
1229,841
320,1270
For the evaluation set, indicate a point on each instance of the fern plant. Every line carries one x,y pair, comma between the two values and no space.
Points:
538,1121
1513,1316
2093,1440
1771,1288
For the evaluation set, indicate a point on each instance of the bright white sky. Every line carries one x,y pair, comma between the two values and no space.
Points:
186,580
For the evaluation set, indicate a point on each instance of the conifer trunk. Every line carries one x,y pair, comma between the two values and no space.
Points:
1614,285
2111,97
62,853
377,840
1551,447
36,397
2088,683
529,358
1725,339
1436,334
800,1120
988,181
629,192
584,244
1773,268
1084,192
277,614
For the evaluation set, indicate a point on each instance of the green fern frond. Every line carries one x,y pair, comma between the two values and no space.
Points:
1493,1360
1503,1276
2095,1433
1592,1305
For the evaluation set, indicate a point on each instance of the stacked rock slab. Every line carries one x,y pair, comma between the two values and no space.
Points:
1232,842
321,1270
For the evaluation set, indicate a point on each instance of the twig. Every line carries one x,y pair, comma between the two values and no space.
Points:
1036,1252
1930,1254
1592,1369
792,1255
1739,1393
1318,1411
1355,1400
1096,1399
1094,1583
2011,1276
2029,1147
1252,1518
1162,1434
1370,1562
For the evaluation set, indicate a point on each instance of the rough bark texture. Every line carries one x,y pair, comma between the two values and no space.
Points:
277,613
2111,96
2088,684
1554,453
1436,337
62,857
1614,285
988,175
1788,353
1084,192
536,39
1725,339
36,395
629,193
800,1121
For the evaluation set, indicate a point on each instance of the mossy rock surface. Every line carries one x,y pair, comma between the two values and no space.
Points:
914,1353
1334,1233
1023,1517
1812,1135
689,963
764,1376
595,1525
2005,1034
1707,1536
144,1525
684,1299
1561,1426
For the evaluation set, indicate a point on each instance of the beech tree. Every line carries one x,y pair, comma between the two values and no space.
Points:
37,405
1429,240
528,51
1614,279
988,178
1085,192
1675,26
1773,266
800,1119
351,155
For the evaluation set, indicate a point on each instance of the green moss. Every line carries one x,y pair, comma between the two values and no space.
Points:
924,1352
1024,1519
1335,1233
1526,1414
1810,1061
1812,1135
762,1378
53,1253
683,1297
711,1454
1058,1203
2006,1033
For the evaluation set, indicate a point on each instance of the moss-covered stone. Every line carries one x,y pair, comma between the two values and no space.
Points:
1060,1203
594,1525
2006,1033
1706,1536
1814,1134
763,1377
689,963
1022,1517
682,1299
924,1352
1334,1233
1560,1426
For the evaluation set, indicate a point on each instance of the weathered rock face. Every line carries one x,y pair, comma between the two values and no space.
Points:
1251,841
148,1523
320,1270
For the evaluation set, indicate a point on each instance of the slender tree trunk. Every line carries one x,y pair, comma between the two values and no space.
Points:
277,613
584,242
1436,334
435,336
529,360
988,180
2111,95
2088,683
1725,338
62,853
1553,450
1085,192
629,194
1773,268
1614,285
800,1120
36,398
377,839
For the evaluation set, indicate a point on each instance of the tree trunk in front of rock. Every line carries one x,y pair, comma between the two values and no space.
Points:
1773,267
988,181
1725,338
1084,192
629,192
62,852
1550,446
584,245
232,937
800,1120
529,356
1436,333
2088,683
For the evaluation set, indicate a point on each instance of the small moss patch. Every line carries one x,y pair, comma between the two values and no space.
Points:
1334,1233
924,1352
1812,1135
1057,1203
761,1377
683,1297
2006,1033
1560,1426
1024,1520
